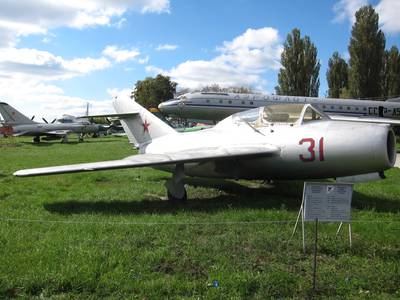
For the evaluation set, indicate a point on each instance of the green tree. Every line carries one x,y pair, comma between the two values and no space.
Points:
366,48
152,91
299,75
391,73
337,75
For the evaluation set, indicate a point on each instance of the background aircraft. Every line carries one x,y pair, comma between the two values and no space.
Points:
17,124
216,106
276,142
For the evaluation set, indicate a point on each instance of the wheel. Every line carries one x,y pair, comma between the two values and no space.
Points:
36,139
175,199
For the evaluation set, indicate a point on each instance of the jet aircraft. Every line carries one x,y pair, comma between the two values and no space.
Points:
216,106
294,141
17,124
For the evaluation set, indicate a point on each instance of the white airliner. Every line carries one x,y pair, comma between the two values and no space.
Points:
217,106
294,141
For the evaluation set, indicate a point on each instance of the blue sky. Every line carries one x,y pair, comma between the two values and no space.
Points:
55,57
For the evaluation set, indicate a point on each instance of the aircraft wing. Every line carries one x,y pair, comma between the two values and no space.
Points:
380,120
20,133
148,160
121,115
57,132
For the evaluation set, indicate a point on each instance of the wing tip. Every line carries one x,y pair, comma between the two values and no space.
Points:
20,173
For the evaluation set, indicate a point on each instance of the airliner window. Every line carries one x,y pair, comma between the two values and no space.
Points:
251,102
208,101
340,107
230,102
364,108
332,107
356,108
220,101
243,102
348,107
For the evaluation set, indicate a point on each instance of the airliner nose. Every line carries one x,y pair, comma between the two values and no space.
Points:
167,106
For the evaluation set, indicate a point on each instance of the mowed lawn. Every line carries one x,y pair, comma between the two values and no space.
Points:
113,234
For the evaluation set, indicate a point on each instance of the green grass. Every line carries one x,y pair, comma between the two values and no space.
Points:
113,234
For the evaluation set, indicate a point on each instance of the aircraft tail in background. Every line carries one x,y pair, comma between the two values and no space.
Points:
12,116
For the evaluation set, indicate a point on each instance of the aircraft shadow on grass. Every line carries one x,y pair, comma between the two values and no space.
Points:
47,143
281,195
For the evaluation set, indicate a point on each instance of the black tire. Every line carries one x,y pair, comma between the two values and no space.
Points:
175,199
36,139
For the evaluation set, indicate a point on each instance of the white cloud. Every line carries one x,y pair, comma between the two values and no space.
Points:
43,65
241,62
388,11
168,47
114,92
345,9
120,23
144,60
389,15
21,18
33,97
120,55
26,75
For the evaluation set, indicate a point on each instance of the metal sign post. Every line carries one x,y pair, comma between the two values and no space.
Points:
327,202
315,255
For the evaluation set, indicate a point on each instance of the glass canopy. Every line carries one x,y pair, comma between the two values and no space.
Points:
280,113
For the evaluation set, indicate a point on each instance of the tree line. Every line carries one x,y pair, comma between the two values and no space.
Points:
372,72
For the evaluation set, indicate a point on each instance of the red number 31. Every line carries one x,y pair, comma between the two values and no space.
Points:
311,149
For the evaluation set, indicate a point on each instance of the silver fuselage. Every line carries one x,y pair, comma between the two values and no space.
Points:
338,149
217,106
40,129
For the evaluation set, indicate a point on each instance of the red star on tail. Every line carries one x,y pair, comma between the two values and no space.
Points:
145,126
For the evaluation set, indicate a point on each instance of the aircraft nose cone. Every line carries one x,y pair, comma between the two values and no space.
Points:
169,105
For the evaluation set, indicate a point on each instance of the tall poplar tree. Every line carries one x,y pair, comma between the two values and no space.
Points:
366,48
299,75
391,73
337,75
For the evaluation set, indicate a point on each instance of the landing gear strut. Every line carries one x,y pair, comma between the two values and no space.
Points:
65,139
176,191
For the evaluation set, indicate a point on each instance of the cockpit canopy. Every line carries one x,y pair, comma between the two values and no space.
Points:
280,113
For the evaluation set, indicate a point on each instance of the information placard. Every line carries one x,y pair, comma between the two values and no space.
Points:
327,201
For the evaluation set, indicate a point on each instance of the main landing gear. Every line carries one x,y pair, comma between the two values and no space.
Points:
176,191
36,139
64,139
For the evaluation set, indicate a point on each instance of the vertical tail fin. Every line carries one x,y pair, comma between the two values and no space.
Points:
140,125
13,116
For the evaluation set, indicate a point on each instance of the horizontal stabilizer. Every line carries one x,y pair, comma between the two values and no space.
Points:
121,115
145,160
